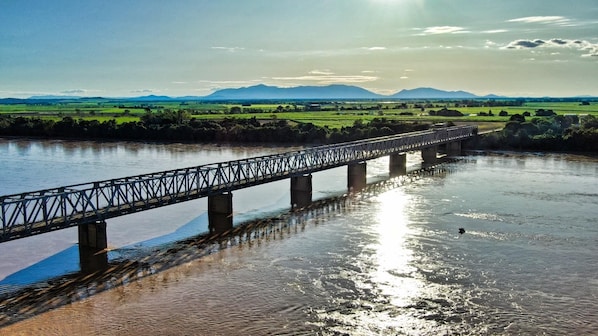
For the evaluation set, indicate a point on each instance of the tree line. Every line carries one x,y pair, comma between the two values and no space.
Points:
178,126
555,133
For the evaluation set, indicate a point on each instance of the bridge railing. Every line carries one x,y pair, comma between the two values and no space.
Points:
45,210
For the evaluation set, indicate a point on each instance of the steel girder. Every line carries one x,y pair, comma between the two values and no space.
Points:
41,211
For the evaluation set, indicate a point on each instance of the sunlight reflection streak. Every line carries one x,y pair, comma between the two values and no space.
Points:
394,272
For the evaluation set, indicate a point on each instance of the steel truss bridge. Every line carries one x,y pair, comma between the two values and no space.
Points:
41,211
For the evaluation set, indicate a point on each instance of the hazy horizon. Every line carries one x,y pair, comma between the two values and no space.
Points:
193,48
417,91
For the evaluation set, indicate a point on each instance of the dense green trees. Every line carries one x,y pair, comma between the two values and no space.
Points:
179,126
562,133
556,133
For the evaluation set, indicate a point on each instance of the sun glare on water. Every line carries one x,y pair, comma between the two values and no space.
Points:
393,256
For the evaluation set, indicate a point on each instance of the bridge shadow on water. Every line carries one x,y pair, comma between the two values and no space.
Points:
71,284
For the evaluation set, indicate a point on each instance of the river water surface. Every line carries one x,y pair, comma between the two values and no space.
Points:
387,262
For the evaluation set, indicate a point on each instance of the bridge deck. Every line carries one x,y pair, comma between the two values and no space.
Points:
36,212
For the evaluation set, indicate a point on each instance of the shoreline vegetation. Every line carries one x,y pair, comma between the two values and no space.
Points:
513,128
554,133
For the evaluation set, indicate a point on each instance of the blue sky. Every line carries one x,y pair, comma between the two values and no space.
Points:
193,47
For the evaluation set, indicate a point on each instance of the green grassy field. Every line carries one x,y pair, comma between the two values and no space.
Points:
333,115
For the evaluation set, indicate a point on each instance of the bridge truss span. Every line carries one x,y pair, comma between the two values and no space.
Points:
42,211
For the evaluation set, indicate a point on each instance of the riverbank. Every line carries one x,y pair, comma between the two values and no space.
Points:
556,134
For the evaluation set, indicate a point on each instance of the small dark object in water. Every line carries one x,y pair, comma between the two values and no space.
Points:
461,230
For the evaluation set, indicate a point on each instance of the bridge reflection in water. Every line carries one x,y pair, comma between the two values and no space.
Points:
53,293
89,205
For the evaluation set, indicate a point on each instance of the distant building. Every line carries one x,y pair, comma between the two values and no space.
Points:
313,107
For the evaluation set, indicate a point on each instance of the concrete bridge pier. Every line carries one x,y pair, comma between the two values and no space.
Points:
356,176
301,191
397,165
220,212
429,155
453,148
93,244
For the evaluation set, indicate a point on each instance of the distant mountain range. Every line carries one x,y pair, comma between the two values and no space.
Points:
265,92
331,92
299,92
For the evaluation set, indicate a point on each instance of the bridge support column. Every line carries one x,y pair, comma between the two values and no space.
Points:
356,176
453,148
429,155
93,243
220,212
301,191
397,165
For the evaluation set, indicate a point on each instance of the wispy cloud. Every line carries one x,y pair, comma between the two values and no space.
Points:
321,72
406,73
74,92
494,31
330,79
589,49
490,44
443,30
145,91
215,84
229,49
559,20
80,92
374,48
